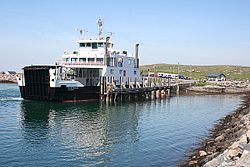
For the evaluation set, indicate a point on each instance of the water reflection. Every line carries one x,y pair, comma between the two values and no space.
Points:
80,131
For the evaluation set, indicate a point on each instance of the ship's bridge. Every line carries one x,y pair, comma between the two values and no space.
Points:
90,53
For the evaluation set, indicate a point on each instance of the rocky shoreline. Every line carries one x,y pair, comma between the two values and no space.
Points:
218,89
228,143
8,78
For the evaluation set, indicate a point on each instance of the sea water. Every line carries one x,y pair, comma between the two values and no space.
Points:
143,133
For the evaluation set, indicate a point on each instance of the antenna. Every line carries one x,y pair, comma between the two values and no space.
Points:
100,27
110,34
81,32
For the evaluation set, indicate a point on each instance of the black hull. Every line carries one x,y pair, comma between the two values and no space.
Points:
62,94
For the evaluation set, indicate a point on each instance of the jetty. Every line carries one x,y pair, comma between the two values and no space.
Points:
135,89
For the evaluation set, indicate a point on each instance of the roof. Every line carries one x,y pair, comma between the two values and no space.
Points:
11,72
39,67
216,75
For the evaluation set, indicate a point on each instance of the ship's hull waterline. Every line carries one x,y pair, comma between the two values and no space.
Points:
63,94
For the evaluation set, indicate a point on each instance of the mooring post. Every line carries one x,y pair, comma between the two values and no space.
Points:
158,94
177,89
107,90
169,92
163,93
153,94
101,88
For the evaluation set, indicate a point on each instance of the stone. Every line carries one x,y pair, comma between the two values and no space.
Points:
248,133
219,138
248,126
194,162
234,153
235,145
202,153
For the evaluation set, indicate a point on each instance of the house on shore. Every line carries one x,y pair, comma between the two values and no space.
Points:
216,77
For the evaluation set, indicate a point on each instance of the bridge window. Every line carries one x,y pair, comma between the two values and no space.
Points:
94,45
66,59
73,60
82,44
88,45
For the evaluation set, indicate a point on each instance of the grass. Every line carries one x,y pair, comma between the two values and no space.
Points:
200,72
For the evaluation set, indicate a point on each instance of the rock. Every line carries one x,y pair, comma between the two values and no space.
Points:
243,140
248,126
211,149
202,153
194,162
219,138
234,146
248,133
234,153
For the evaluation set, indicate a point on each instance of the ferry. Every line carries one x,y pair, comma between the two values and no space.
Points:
76,77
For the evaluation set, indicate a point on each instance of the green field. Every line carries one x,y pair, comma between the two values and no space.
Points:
200,72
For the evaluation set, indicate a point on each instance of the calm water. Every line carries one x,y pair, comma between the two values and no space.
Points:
151,133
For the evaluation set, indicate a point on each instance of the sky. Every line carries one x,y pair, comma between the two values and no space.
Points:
190,32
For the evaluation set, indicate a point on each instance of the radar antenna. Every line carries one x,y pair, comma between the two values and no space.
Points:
100,27
81,32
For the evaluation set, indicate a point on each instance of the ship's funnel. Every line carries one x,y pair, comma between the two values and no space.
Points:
136,56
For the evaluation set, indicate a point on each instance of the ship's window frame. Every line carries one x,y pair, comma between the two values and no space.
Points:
100,44
111,71
94,45
82,45
73,60
120,62
135,72
99,59
88,44
124,73
130,61
91,59
83,59
115,61
111,61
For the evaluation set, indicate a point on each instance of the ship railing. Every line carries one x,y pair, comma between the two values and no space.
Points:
83,63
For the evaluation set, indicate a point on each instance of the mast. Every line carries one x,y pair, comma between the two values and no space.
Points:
100,28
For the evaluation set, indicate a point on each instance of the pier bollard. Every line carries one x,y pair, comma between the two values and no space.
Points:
153,94
168,92
158,94
177,89
163,94
107,98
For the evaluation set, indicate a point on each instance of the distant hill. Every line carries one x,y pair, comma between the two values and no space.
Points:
200,72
